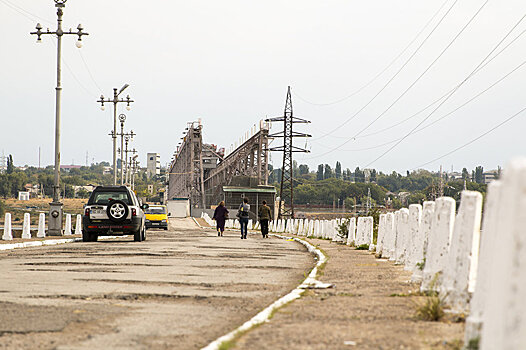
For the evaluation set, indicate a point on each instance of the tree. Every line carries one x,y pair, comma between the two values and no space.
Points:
10,165
465,174
327,172
319,173
338,170
359,176
349,203
373,177
304,169
479,175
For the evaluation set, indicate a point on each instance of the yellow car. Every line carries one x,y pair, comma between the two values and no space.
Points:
156,217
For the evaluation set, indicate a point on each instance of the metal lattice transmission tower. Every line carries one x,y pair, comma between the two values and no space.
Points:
286,193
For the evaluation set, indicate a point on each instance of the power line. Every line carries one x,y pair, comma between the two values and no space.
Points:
473,140
89,71
382,71
452,93
447,114
25,13
395,75
416,81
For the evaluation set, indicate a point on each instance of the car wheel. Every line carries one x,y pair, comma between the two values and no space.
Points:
144,234
137,235
117,211
93,237
166,228
85,236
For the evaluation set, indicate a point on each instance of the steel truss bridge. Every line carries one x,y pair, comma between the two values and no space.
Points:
199,171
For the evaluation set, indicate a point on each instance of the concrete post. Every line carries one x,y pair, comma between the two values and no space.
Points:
26,228
351,238
8,233
67,229
402,236
381,234
415,240
41,226
428,211
389,235
504,322
461,266
438,243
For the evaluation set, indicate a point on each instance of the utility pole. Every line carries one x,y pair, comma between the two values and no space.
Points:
56,207
286,192
122,134
441,184
115,101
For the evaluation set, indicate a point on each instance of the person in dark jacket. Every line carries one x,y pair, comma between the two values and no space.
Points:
220,216
243,214
264,218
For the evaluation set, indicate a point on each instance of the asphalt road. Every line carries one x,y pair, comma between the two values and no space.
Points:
180,289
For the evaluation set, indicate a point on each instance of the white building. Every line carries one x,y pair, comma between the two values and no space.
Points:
153,164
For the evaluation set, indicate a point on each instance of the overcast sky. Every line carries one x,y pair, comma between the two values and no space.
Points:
230,62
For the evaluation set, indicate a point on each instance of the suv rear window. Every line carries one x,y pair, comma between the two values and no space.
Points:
155,210
103,197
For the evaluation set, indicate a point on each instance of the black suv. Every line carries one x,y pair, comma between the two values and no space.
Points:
113,210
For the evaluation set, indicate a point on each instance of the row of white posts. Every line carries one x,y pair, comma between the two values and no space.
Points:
26,227
480,275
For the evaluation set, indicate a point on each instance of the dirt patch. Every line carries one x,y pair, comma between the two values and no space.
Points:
360,310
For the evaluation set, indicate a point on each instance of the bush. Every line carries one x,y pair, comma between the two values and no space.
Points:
431,310
2,209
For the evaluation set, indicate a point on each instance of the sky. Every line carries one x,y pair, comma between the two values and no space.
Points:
230,62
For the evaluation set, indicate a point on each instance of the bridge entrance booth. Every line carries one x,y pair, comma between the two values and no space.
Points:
233,197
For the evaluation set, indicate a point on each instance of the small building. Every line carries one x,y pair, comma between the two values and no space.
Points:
23,196
490,176
233,197
153,164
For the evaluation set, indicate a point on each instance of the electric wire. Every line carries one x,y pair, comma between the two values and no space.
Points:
443,96
383,70
449,96
395,75
445,115
89,71
416,81
24,13
473,140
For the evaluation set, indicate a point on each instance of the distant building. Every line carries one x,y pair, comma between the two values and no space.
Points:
489,176
67,168
455,175
153,164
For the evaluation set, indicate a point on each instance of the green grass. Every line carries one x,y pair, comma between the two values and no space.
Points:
431,310
363,247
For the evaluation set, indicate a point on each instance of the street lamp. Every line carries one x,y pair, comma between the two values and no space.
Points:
56,207
115,101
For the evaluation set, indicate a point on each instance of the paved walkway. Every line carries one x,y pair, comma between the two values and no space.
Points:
359,313
180,289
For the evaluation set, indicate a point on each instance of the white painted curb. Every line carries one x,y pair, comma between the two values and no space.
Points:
47,242
264,315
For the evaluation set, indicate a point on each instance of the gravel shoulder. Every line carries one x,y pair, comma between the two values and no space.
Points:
360,312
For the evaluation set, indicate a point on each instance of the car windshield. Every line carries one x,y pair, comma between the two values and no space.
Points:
156,210
105,197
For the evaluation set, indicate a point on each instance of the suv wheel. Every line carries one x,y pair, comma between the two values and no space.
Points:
93,237
143,236
85,236
117,211
137,235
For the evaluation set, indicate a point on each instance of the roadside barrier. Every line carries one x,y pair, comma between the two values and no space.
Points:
41,232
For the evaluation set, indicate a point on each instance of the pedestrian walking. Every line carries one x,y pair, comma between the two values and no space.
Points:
242,214
220,216
264,218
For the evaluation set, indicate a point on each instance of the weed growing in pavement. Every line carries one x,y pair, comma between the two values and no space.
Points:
421,265
473,344
363,247
431,310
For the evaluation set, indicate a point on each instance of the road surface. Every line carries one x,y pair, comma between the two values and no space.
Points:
180,289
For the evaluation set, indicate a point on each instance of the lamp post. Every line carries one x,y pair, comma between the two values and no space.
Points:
122,134
129,167
115,101
56,207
